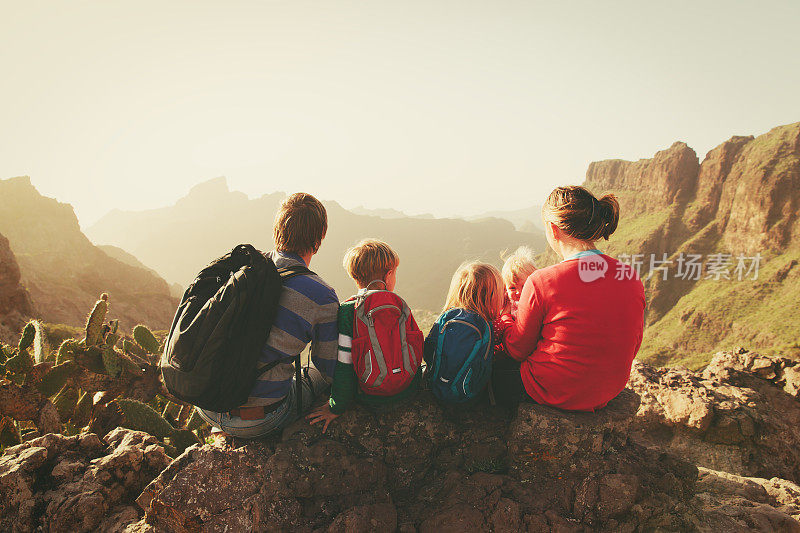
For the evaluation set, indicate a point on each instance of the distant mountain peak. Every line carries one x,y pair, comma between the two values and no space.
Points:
210,192
20,180
218,185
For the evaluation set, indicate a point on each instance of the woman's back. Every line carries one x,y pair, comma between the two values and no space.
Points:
579,327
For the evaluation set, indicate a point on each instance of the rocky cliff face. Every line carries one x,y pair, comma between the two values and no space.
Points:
746,187
676,451
64,272
743,199
668,178
15,302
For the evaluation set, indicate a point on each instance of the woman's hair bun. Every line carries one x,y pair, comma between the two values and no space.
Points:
609,214
575,210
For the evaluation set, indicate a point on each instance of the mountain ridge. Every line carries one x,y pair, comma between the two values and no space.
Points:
178,240
743,198
64,272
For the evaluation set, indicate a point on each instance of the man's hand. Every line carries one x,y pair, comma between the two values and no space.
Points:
322,414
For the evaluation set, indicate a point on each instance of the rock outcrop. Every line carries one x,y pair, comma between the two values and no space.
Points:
669,178
15,302
421,468
677,451
78,483
740,415
65,273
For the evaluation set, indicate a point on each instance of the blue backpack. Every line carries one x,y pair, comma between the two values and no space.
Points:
461,362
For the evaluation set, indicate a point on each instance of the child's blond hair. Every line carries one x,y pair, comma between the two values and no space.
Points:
370,260
477,287
519,265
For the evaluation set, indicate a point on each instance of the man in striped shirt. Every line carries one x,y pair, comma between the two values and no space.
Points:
306,315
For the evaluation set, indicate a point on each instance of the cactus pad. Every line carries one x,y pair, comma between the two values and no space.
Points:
54,380
67,350
83,410
145,338
28,332
21,363
142,417
94,324
112,362
66,401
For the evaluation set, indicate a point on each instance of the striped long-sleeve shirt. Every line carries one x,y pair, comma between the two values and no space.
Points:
306,314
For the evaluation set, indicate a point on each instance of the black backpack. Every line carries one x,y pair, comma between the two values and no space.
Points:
220,328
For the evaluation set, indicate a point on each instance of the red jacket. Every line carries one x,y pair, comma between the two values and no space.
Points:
577,336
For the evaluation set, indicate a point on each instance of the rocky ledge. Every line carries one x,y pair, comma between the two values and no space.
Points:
678,450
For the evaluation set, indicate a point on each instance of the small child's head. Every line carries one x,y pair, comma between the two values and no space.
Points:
372,260
516,269
477,287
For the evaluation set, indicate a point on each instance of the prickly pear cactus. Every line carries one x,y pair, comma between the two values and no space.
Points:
55,379
94,324
182,439
67,351
91,385
83,410
41,349
66,401
28,333
142,417
20,364
145,338
112,362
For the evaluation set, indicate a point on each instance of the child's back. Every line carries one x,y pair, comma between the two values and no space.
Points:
380,344
386,347
458,352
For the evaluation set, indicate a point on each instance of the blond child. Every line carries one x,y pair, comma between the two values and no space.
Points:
458,350
516,269
373,316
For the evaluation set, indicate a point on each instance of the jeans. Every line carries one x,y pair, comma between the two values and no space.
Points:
314,386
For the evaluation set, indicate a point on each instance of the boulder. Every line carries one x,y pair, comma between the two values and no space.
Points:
78,483
676,451
430,468
740,415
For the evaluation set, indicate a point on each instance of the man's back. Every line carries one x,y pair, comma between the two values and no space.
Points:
306,314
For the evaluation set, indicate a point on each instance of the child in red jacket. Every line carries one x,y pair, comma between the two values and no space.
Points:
516,269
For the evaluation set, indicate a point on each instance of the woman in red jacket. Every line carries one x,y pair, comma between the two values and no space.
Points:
580,321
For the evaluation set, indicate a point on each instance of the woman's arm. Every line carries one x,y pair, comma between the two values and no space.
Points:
521,338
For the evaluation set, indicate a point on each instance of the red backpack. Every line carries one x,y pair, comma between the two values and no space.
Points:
387,343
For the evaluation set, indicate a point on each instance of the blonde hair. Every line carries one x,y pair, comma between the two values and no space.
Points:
300,224
370,260
477,287
576,211
519,265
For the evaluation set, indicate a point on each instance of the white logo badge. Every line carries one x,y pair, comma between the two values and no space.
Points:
592,267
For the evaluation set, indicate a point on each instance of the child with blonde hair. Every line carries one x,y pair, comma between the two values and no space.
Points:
516,269
458,349
380,344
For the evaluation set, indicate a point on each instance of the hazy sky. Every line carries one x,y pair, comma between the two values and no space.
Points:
426,106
